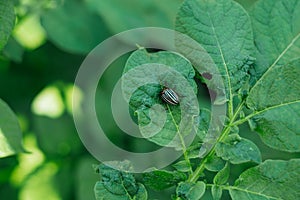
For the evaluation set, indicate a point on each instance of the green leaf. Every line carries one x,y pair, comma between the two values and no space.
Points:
204,122
165,179
223,28
50,138
276,101
159,122
223,175
270,180
276,32
214,164
102,193
193,150
182,166
118,185
190,191
128,14
7,21
10,132
73,28
13,50
216,192
238,150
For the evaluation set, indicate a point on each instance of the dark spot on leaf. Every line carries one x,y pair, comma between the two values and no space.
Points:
207,76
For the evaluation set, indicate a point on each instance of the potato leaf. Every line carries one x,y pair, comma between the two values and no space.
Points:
270,180
238,150
276,30
275,100
145,76
118,185
190,191
223,28
165,179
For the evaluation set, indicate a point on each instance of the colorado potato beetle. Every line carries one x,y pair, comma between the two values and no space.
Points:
169,96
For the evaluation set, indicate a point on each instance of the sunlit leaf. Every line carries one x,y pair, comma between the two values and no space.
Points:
29,32
10,132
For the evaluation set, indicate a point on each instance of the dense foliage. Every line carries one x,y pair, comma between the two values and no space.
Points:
255,45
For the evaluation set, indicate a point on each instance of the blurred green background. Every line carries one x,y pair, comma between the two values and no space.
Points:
37,69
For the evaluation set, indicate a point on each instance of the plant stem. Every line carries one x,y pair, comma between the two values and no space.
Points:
186,158
194,176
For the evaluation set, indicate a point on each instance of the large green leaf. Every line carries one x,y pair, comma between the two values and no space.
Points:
7,21
238,150
118,185
276,101
223,28
73,28
145,76
10,132
276,30
269,181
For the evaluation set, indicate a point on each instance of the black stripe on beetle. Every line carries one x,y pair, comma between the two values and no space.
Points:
169,96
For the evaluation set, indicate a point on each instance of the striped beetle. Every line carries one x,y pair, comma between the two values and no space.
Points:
169,96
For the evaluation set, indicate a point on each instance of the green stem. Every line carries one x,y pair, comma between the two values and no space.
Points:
186,158
194,176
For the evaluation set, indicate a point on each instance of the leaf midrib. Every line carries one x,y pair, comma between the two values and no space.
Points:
230,107
251,192
264,110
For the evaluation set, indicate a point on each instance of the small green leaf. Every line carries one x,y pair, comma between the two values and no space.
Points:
182,166
276,33
276,101
238,150
190,191
193,150
161,179
118,185
216,192
223,175
204,122
224,30
10,132
7,21
77,34
102,193
270,180
159,122
214,164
